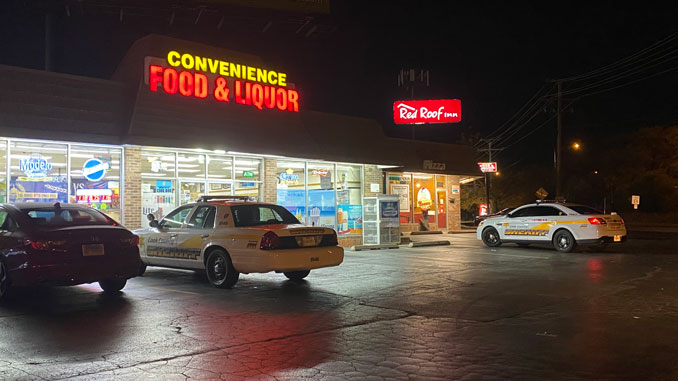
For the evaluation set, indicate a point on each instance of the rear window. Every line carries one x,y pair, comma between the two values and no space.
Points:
583,209
253,215
66,217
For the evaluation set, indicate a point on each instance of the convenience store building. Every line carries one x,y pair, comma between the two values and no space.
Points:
158,135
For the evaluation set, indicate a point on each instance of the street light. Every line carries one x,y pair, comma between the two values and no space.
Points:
576,146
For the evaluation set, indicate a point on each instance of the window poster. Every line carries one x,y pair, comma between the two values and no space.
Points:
403,192
349,219
321,211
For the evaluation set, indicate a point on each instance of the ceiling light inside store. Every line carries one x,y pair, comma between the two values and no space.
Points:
144,174
220,152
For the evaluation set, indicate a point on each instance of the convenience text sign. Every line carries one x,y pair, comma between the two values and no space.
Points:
430,111
228,82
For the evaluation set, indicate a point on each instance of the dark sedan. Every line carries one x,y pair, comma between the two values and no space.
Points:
502,212
64,245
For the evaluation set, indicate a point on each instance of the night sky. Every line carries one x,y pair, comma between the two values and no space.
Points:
492,56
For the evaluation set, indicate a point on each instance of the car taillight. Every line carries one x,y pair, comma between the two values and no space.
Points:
131,241
597,221
270,241
330,239
47,245
622,221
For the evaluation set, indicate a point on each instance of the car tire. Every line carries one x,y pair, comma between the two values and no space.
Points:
297,275
220,270
490,237
112,285
4,280
563,241
142,269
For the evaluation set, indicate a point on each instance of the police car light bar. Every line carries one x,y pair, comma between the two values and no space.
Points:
225,198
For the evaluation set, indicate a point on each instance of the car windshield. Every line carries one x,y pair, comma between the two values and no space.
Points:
583,209
253,215
66,217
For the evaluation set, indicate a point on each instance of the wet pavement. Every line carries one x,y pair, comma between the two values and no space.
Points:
462,311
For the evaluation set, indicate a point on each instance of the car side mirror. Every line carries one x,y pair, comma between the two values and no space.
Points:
154,224
510,215
150,217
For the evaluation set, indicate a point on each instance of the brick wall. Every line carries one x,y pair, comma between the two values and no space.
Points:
373,175
270,180
453,208
132,188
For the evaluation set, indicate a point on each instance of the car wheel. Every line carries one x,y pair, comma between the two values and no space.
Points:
142,269
563,241
491,237
112,285
220,271
4,280
297,275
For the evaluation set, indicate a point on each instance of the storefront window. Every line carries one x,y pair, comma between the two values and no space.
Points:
190,191
321,195
95,178
401,184
191,165
423,192
3,171
38,172
219,167
291,191
220,189
248,177
158,164
349,199
157,198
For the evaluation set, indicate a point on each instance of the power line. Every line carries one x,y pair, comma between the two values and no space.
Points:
613,65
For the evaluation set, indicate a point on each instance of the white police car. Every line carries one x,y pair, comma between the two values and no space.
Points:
226,236
563,225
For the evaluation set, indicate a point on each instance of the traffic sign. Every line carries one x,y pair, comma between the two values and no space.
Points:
541,193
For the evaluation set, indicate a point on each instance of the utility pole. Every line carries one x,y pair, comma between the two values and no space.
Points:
489,151
411,78
559,157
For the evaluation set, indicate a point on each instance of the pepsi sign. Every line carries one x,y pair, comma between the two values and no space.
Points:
95,169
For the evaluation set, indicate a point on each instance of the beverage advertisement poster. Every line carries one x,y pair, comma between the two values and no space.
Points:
321,211
293,200
24,189
349,219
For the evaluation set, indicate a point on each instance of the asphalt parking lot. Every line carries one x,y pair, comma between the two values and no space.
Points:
462,311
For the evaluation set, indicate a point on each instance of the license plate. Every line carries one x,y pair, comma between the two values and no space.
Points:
617,238
92,250
306,241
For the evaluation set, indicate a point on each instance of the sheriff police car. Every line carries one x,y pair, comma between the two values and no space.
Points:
563,225
227,235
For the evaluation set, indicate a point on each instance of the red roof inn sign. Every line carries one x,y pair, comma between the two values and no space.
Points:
488,167
430,111
228,82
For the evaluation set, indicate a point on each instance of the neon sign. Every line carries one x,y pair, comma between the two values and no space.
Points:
245,85
488,167
35,167
430,111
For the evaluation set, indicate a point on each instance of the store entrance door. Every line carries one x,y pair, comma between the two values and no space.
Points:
441,201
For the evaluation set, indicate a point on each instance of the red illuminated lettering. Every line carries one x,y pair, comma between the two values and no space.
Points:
221,92
186,83
292,100
200,85
281,99
170,81
238,93
154,76
258,96
269,96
